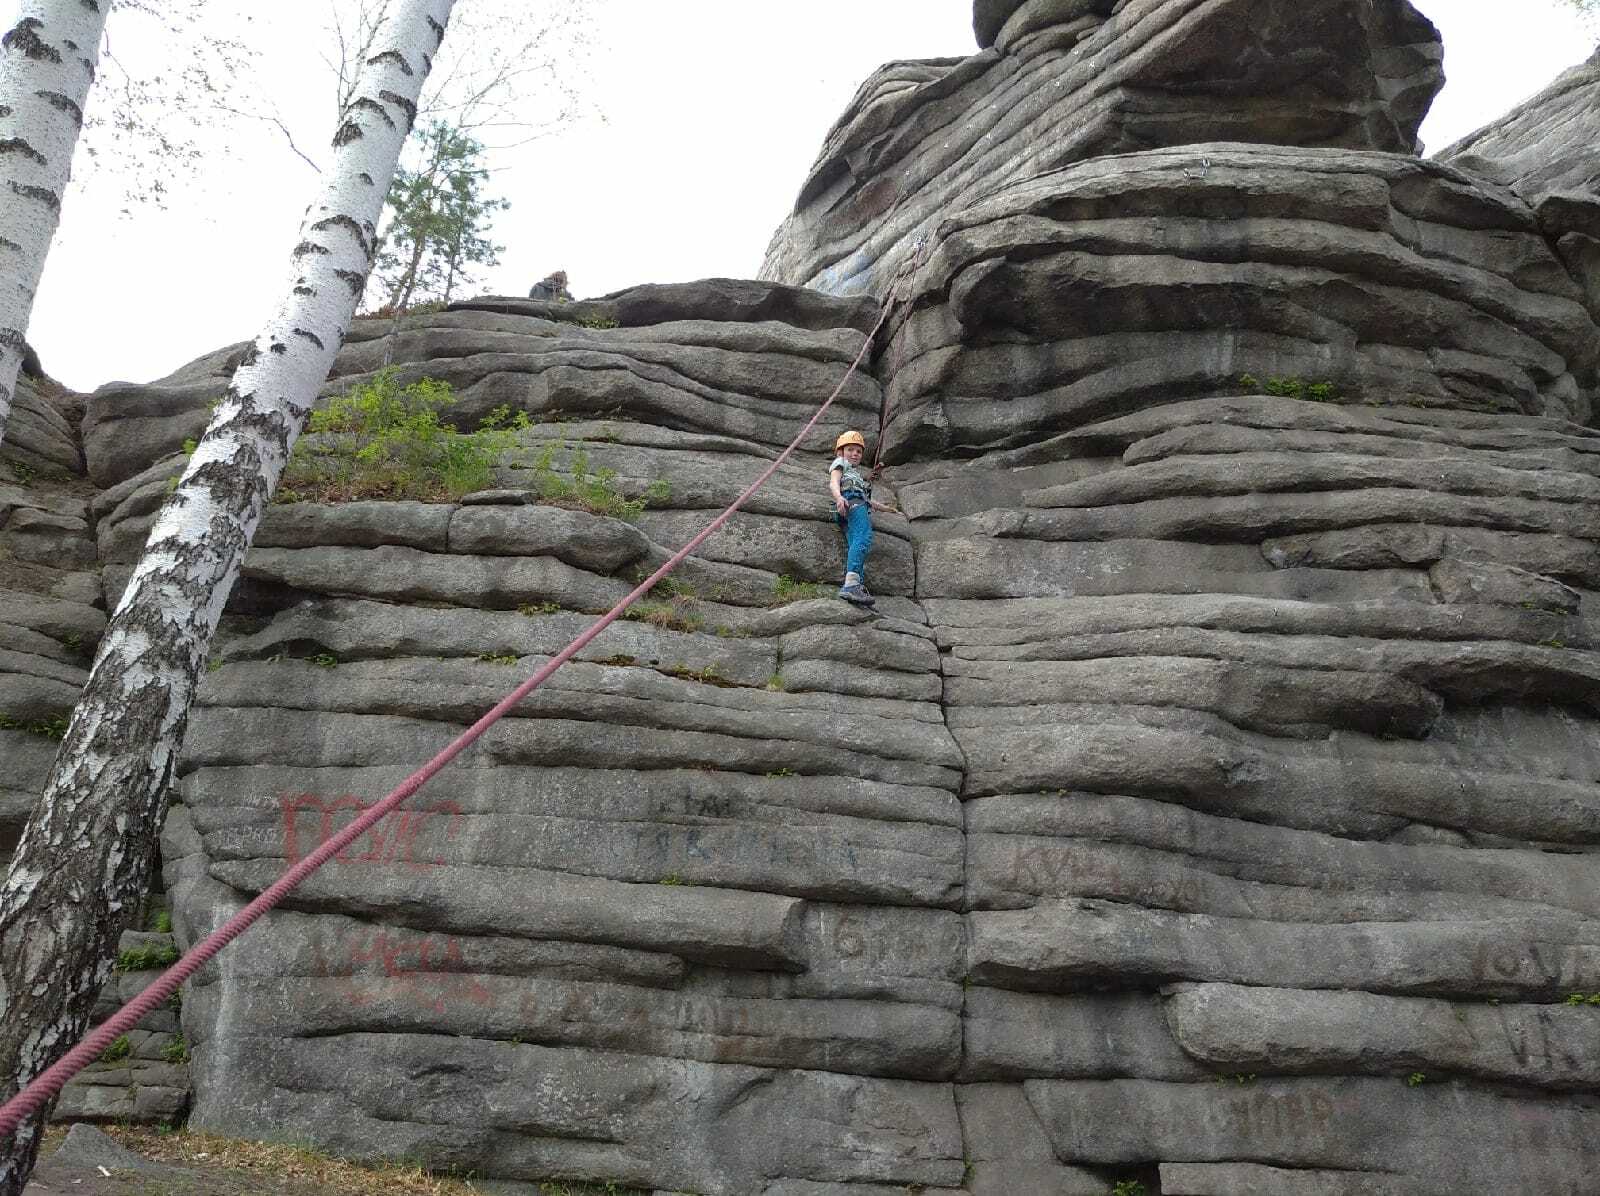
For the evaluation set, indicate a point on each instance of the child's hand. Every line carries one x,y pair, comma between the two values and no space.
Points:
841,506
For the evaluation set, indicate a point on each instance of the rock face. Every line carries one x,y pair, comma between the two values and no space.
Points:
1545,150
1062,81
1210,804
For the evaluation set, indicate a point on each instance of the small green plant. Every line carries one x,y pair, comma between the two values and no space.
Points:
385,440
595,322
24,474
540,608
1291,388
786,589
176,1051
503,419
213,664
175,1001
73,640
576,488
324,660
1553,643
146,959
161,921
54,727
189,446
119,1049
498,658
620,660
677,615
1415,1079
709,675
775,683
1582,999
671,878
782,772
1128,1187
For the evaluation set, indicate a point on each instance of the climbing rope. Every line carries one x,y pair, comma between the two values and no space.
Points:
47,1086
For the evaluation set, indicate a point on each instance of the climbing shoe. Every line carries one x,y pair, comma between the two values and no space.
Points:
854,591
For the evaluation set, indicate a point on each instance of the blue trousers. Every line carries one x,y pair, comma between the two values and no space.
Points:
857,528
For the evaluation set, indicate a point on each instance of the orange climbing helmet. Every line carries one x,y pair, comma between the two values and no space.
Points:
855,438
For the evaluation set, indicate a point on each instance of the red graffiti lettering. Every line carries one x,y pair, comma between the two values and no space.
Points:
392,840
424,970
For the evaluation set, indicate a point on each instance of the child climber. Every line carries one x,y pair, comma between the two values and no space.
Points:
852,502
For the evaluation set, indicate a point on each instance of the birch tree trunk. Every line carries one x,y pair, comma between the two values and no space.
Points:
83,864
47,61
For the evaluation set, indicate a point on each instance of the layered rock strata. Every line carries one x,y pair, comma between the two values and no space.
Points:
1209,804
1062,81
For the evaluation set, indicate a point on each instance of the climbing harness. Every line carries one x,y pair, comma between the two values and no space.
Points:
47,1086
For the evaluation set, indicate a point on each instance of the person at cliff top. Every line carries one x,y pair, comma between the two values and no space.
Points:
853,507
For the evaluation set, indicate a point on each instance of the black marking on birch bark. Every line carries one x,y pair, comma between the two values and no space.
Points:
25,41
395,57
63,103
310,336
348,132
403,104
345,222
427,61
7,243
15,145
366,178
279,348
43,194
89,67
308,247
356,281
70,44
366,105
308,292
438,32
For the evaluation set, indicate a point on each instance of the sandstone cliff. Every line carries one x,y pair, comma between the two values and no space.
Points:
1210,803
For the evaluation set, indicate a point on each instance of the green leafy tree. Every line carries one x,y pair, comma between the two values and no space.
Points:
437,224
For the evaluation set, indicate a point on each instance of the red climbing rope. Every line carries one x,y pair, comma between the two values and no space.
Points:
48,1085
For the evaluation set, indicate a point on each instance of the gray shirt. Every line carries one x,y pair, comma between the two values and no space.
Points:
852,478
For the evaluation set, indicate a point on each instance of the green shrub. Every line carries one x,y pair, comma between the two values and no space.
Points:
161,921
54,727
709,675
497,657
676,615
176,1051
119,1049
385,441
786,589
146,959
597,492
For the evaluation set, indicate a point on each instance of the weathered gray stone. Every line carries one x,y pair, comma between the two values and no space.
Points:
1068,82
1438,1138
1286,1031
1545,146
1219,755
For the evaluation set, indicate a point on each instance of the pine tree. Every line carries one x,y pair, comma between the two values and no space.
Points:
437,222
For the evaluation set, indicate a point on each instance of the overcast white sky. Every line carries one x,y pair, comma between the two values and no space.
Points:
714,110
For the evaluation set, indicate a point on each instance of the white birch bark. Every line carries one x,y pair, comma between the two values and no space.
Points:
47,62
83,864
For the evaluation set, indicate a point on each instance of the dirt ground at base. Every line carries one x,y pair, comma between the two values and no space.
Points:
184,1164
